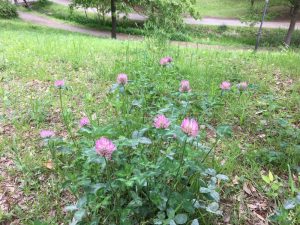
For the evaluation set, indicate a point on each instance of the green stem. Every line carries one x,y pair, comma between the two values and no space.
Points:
214,146
124,107
54,157
64,118
61,102
187,104
108,174
181,164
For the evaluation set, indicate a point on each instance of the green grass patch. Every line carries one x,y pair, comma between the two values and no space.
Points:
240,8
262,123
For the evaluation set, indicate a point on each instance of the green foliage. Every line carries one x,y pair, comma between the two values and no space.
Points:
285,149
7,10
243,126
288,212
153,176
273,185
102,6
167,15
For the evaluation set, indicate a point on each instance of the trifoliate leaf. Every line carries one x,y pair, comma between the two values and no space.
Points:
181,218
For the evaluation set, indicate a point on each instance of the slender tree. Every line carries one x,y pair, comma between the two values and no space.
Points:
294,15
113,19
261,24
295,9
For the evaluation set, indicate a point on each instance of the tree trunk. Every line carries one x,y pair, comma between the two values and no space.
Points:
26,4
294,14
86,16
261,24
113,19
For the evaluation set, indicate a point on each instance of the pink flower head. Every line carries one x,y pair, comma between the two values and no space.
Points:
84,122
105,147
225,85
242,86
122,79
185,86
165,61
161,122
59,83
190,127
46,133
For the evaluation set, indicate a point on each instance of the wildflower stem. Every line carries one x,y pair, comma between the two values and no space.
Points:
213,147
64,117
54,156
108,174
181,164
61,102
187,105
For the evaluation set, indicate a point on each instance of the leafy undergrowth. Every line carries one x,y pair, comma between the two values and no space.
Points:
214,35
155,175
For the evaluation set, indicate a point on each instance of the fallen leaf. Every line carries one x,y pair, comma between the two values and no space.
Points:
251,206
248,188
227,219
235,180
259,216
252,188
49,164
260,112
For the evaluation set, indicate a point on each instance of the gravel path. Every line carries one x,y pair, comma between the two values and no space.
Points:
204,20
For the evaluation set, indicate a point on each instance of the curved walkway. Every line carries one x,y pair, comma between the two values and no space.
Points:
49,22
204,20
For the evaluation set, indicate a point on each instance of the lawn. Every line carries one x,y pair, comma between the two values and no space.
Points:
248,133
240,8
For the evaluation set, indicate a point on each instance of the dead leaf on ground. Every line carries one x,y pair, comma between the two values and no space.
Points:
49,164
235,180
248,188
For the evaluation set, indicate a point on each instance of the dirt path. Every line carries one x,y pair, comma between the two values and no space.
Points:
46,21
203,21
49,22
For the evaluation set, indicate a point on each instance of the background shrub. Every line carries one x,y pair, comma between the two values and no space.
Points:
7,10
